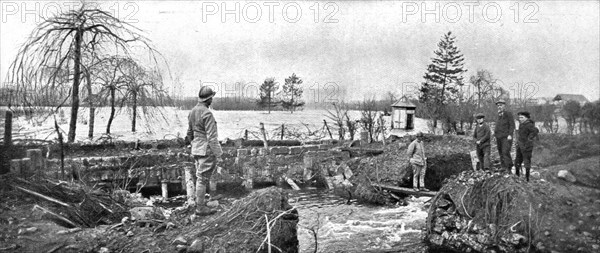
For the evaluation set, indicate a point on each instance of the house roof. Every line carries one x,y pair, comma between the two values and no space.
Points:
404,104
568,97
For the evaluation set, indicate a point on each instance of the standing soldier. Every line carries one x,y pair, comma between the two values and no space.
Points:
482,136
526,134
505,126
202,132
418,161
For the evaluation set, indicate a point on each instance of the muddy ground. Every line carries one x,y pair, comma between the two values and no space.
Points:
571,224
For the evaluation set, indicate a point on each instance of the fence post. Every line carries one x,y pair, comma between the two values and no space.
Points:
282,128
382,129
8,129
264,134
327,127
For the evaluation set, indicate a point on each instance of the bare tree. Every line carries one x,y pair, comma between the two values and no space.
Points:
61,43
338,115
352,126
112,77
143,88
484,85
368,111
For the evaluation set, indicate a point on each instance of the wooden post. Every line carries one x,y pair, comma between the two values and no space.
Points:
327,127
264,134
8,129
282,129
474,159
246,134
37,162
164,187
62,149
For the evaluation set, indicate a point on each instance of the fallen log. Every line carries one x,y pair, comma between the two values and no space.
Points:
56,216
404,190
39,195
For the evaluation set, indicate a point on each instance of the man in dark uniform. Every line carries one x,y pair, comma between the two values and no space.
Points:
505,127
482,136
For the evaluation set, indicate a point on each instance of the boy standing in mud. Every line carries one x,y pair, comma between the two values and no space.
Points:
505,126
482,136
418,161
206,150
525,136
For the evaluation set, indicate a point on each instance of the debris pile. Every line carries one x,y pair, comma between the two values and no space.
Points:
261,222
70,204
481,211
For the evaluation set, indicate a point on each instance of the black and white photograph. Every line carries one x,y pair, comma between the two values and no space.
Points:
319,126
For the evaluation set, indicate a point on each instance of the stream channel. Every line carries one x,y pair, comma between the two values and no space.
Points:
342,226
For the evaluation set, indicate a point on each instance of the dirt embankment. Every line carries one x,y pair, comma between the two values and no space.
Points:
492,212
446,156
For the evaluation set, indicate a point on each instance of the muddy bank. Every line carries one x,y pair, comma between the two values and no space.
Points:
484,212
240,225
447,156
494,212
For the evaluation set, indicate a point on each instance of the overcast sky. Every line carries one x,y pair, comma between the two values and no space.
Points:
354,49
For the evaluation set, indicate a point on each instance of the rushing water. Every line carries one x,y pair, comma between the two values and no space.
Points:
351,227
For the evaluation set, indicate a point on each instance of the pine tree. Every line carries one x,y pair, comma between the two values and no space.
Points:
443,77
267,95
292,92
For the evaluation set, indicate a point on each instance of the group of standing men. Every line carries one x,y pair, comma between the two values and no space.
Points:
504,132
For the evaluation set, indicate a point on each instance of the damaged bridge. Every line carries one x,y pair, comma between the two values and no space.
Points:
165,168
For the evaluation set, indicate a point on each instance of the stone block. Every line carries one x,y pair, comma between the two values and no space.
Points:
262,151
325,146
242,152
311,147
296,150
279,150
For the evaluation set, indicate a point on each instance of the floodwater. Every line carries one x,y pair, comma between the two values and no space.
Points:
342,226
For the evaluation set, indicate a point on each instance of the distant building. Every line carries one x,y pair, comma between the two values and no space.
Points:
561,99
403,115
543,100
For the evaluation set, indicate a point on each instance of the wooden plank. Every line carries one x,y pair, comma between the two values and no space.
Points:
409,191
355,152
